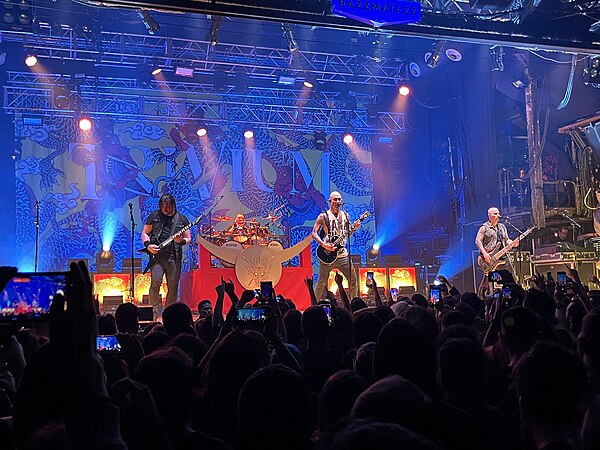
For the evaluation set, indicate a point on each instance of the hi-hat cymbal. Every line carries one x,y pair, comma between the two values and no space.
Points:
253,221
222,218
271,217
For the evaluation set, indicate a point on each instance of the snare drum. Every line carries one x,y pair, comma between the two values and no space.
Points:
275,245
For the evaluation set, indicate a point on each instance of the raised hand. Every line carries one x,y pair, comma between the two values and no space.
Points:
339,279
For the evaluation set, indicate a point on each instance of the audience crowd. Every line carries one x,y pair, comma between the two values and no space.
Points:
518,370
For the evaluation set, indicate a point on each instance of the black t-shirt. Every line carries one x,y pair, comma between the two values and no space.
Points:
161,231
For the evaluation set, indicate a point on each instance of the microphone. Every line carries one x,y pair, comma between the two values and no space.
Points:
37,203
131,206
505,218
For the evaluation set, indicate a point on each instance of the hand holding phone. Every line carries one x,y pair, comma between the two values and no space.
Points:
266,290
370,279
394,294
435,295
108,344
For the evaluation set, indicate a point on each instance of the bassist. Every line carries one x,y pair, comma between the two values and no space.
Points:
489,235
159,226
332,223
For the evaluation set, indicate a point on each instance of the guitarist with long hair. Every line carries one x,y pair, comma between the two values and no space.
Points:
330,224
160,225
490,234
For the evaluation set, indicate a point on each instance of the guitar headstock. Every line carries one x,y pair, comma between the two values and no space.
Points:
364,216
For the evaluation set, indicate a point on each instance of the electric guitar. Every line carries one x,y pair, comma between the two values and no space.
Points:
166,242
496,254
330,256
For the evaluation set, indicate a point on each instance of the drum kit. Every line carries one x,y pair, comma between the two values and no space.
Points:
249,232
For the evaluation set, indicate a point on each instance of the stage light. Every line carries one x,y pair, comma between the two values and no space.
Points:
105,261
404,90
286,80
201,132
248,134
151,25
414,69
376,247
591,74
85,124
215,27
308,84
432,58
30,60
497,58
320,138
184,71
288,33
156,71
348,138
453,54
373,257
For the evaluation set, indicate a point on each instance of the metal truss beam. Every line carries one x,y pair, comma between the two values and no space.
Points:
130,51
123,99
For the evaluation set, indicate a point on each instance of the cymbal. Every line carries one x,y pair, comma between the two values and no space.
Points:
252,221
222,218
271,217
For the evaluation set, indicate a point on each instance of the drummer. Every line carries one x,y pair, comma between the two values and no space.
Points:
238,227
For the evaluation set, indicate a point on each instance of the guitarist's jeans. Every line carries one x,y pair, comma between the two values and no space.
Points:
172,271
342,264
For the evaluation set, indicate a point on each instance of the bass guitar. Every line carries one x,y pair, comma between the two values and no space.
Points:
330,256
166,242
496,254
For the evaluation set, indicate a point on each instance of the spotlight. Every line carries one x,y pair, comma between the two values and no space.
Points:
497,58
248,134
320,140
376,247
308,84
591,74
288,33
432,58
373,257
286,80
30,60
105,261
215,27
453,54
156,71
85,124
201,132
414,69
404,90
151,25
348,138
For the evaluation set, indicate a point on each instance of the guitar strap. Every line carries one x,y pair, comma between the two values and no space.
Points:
174,224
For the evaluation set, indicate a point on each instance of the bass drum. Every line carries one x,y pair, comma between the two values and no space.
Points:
275,245
232,245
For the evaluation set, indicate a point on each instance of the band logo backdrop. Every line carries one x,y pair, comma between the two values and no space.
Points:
84,182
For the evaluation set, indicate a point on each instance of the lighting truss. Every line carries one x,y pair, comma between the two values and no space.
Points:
125,100
129,50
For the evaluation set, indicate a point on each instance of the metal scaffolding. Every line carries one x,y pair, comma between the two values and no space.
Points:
128,99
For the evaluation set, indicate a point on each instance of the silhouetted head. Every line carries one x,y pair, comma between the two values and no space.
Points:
364,434
366,327
338,395
274,410
394,399
177,318
126,317
403,349
168,375
315,324
541,303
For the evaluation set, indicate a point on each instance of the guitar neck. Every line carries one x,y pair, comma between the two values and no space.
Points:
506,249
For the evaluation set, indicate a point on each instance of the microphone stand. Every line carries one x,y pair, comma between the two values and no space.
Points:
348,248
519,255
209,215
37,235
131,281
574,224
